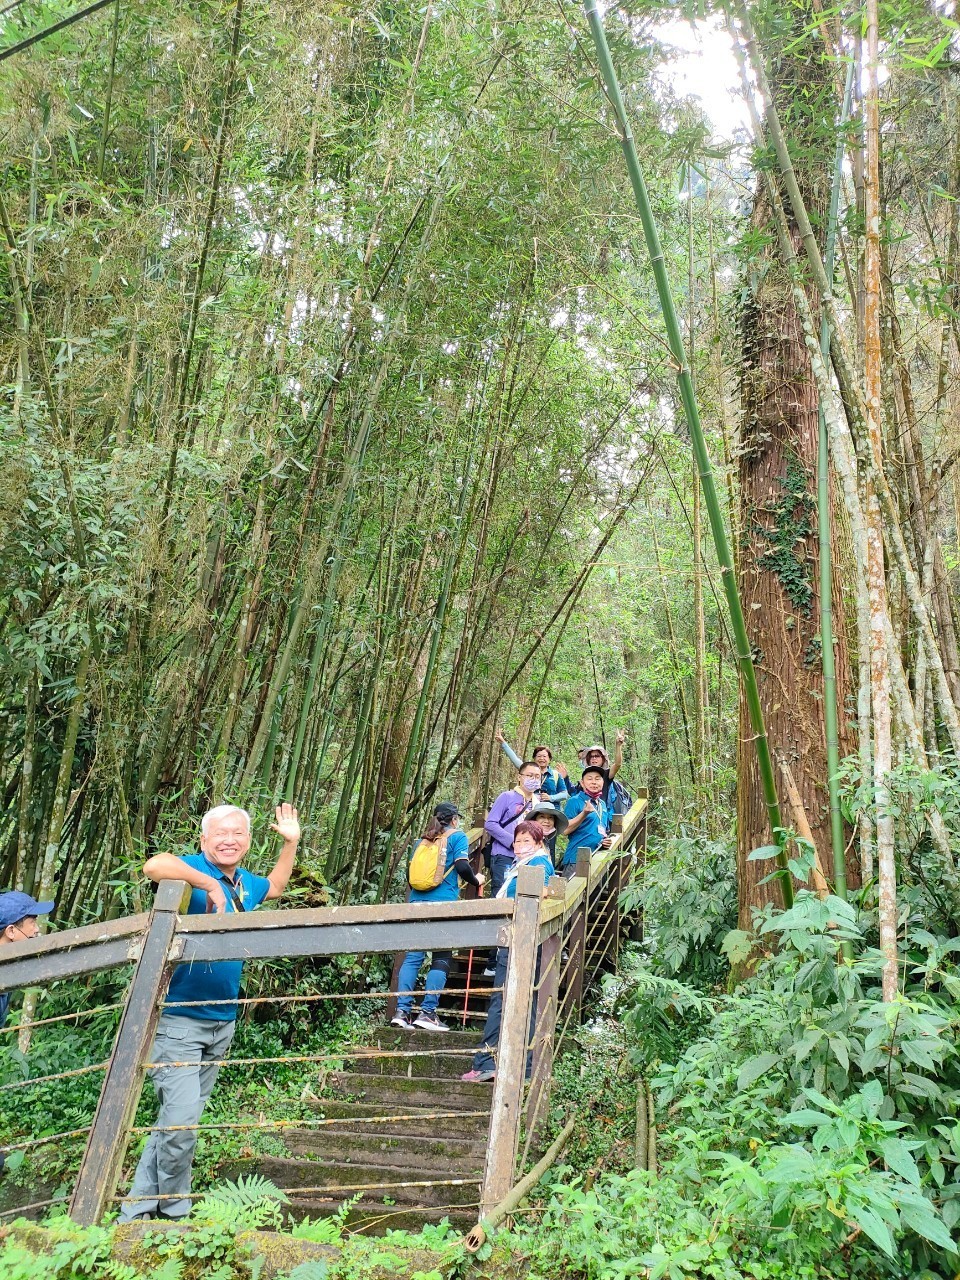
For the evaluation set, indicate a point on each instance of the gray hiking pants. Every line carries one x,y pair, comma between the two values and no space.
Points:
166,1166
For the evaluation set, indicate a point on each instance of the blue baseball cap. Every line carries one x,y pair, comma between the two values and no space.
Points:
15,906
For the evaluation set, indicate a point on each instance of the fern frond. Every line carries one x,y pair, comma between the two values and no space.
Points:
315,1269
244,1193
327,1230
247,1204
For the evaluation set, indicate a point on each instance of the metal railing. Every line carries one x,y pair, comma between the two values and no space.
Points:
558,936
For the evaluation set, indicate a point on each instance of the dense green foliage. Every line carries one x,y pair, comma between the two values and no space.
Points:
806,1128
337,430
327,391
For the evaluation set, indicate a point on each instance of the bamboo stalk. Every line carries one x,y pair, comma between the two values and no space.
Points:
675,652
828,658
475,1237
879,660
27,761
108,101
55,830
801,825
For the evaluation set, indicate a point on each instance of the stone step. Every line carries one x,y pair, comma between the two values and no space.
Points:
353,1117
399,1151
378,1181
400,1092
373,1218
422,1041
438,1060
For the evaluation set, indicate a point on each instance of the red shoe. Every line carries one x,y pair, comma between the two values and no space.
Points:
478,1077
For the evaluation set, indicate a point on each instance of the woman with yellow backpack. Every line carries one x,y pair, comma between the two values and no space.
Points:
439,861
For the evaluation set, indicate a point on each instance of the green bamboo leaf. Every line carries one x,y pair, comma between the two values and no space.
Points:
763,853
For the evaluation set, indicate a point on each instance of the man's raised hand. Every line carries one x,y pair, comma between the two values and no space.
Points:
287,824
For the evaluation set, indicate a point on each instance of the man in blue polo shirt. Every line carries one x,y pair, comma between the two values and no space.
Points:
588,822
195,1033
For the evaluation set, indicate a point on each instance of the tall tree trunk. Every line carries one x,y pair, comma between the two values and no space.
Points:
778,567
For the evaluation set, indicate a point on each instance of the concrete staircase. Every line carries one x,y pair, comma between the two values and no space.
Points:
440,1141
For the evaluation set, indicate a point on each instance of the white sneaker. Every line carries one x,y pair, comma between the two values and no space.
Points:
489,973
430,1022
401,1020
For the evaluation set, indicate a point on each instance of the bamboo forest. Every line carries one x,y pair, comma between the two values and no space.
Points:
390,387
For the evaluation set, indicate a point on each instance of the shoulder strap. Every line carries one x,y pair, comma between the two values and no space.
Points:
441,872
507,822
234,896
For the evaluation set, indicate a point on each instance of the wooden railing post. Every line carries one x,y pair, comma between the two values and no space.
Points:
102,1160
544,1031
398,959
578,940
498,1174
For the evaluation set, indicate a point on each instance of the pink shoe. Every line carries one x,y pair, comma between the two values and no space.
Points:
478,1077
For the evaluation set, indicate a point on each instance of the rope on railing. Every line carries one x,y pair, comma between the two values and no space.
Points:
45,1142
59,1075
355,1189
336,995
26,1208
61,1017
545,972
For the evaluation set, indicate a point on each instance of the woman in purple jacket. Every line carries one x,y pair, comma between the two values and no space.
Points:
505,812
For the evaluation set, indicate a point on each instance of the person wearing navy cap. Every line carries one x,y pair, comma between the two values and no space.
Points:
18,923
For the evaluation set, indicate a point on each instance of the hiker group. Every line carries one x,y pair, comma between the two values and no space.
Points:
525,824
198,1019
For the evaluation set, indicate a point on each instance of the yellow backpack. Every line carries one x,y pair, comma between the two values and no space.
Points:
428,865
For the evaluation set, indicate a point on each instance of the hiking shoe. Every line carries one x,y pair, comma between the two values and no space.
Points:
401,1019
430,1022
478,1077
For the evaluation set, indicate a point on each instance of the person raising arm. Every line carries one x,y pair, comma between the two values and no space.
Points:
587,818
555,783
224,845
197,1023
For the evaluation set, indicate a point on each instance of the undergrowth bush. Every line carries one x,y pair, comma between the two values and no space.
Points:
805,1127
687,892
224,1240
